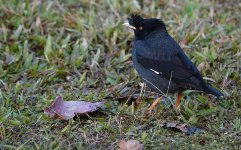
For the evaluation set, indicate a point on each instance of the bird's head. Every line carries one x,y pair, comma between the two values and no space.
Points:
143,27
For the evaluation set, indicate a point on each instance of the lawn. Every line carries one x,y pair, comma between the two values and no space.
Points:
79,50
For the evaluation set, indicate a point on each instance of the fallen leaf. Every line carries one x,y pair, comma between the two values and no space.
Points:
65,110
130,145
183,127
122,145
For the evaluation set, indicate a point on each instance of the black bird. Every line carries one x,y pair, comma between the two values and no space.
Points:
161,62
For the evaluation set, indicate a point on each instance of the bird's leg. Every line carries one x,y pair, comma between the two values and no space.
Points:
155,103
178,100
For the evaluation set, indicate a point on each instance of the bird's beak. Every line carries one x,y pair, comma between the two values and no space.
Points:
130,26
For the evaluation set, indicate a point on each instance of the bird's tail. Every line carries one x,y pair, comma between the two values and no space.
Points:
211,90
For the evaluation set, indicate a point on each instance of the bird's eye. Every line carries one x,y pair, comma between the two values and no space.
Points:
140,28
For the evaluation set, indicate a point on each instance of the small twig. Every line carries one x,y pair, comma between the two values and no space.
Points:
169,83
154,86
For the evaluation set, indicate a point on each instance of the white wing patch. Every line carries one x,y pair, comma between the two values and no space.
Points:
156,72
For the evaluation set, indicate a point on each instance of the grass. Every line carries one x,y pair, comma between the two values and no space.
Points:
80,50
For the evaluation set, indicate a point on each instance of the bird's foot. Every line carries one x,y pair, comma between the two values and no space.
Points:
178,101
155,103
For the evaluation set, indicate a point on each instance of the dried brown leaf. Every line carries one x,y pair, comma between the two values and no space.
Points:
183,127
130,145
65,110
122,145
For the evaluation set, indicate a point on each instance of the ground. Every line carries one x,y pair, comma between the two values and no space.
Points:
80,51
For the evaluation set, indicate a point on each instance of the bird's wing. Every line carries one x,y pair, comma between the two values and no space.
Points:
168,60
